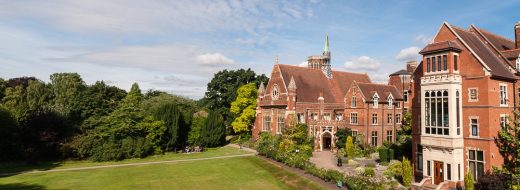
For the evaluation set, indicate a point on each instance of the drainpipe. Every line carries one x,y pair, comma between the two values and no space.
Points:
382,122
366,119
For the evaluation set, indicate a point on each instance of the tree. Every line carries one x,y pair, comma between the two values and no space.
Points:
350,148
9,140
508,143
177,129
3,86
407,172
213,132
67,91
245,108
469,184
100,99
198,121
342,135
222,89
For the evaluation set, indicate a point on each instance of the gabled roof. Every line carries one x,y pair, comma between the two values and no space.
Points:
490,60
501,43
312,82
511,54
382,90
401,72
441,46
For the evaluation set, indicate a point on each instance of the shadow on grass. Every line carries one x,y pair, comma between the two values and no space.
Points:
18,186
10,169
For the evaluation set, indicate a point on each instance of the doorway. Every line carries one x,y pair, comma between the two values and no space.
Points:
327,141
438,172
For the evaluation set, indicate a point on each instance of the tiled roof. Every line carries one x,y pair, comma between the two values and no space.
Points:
441,46
401,72
496,65
511,54
382,90
501,43
311,82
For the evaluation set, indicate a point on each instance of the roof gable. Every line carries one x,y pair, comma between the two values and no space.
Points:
312,82
379,90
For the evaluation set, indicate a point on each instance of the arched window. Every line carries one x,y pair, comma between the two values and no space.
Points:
376,100
275,92
390,101
436,112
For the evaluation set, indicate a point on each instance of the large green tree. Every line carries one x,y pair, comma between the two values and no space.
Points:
67,91
222,89
508,143
244,107
177,130
3,86
8,136
213,132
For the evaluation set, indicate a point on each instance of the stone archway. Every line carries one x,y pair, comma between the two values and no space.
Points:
326,141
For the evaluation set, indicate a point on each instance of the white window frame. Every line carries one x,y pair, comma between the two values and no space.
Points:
390,136
275,92
389,118
354,133
476,161
353,102
339,117
356,118
471,118
278,122
374,143
375,99
503,94
267,123
398,118
504,120
327,116
518,63
469,95
376,119
390,100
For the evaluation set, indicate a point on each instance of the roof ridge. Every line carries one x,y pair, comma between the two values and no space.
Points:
493,34
517,49
315,69
380,84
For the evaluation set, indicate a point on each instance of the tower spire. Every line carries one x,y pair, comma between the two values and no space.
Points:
326,48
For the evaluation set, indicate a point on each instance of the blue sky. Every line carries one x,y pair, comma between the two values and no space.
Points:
177,46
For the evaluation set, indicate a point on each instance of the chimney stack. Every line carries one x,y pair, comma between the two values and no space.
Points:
411,66
517,34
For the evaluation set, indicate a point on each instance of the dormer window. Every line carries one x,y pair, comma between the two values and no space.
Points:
390,101
518,63
275,92
376,101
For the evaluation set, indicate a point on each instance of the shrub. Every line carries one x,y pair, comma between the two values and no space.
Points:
468,182
333,175
383,154
350,148
407,172
369,172
361,183
395,170
341,153
390,154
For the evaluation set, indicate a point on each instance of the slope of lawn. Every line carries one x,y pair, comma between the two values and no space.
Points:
248,172
221,151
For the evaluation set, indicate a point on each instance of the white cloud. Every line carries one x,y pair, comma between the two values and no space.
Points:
303,64
362,63
121,16
214,59
410,53
423,39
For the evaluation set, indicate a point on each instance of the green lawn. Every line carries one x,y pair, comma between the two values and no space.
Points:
248,172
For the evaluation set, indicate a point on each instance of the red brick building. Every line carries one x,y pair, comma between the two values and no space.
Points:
463,92
402,81
318,96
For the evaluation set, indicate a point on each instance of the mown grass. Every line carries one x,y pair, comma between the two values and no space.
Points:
248,172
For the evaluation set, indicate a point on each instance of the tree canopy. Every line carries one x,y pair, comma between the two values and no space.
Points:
244,107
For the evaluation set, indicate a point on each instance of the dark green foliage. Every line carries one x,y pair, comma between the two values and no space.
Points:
493,181
177,129
8,136
508,143
213,132
100,99
197,124
222,89
383,154
342,135
3,86
390,154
